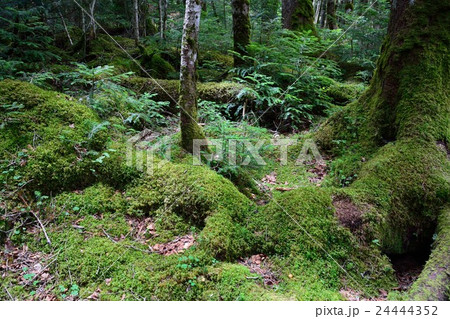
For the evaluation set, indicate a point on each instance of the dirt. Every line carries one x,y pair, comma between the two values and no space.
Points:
407,269
175,246
30,269
260,264
319,171
142,229
349,215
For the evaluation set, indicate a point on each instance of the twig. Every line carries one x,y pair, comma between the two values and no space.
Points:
149,251
257,277
7,291
109,237
43,228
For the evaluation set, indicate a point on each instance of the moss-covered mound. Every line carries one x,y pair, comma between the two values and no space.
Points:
155,65
54,143
301,225
168,90
344,93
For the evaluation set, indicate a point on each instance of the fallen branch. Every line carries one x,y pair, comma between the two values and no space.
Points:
43,228
7,291
109,237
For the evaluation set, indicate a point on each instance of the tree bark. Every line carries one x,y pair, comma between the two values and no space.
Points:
241,29
298,15
331,14
190,129
136,20
163,17
434,281
401,124
92,23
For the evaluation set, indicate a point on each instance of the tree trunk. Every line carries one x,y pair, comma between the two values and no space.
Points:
190,129
65,26
92,23
434,281
401,124
241,28
331,14
136,20
298,15
163,17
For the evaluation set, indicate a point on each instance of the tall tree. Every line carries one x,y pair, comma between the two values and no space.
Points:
403,125
163,4
136,20
190,129
241,28
331,14
298,15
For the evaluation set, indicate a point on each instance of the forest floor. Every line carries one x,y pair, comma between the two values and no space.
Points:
81,224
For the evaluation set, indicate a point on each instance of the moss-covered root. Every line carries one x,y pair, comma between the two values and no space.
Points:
434,281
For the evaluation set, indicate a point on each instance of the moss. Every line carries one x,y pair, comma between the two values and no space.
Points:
194,192
300,225
57,136
310,207
303,17
103,50
158,67
168,90
400,126
225,239
222,59
96,199
234,282
344,93
433,282
407,183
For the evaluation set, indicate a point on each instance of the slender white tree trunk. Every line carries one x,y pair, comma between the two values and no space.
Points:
92,23
136,19
190,129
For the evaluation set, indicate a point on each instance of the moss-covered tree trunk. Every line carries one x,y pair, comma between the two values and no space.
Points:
398,134
434,281
331,14
298,15
190,129
241,28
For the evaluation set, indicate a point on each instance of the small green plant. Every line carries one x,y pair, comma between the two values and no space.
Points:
10,113
94,77
188,262
74,290
40,199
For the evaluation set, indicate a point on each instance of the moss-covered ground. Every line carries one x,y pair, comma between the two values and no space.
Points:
79,222
92,211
